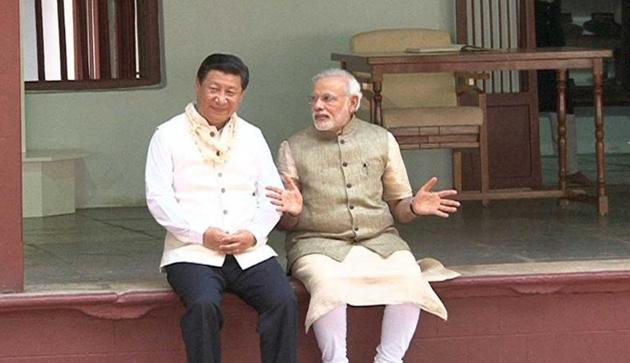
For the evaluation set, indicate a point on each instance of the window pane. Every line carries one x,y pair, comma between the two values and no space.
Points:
108,43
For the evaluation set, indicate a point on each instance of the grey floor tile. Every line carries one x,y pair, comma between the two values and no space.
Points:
102,236
101,247
112,214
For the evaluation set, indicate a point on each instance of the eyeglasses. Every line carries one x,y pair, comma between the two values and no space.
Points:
327,98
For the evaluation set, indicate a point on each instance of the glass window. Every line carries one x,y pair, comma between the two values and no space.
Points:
90,44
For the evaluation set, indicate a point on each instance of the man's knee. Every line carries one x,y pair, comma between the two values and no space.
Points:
284,299
280,292
281,309
205,307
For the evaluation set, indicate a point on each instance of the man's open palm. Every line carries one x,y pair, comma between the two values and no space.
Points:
427,202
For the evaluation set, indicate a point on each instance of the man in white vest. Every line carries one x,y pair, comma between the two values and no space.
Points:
205,174
345,185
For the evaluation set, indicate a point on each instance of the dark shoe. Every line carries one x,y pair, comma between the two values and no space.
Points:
579,179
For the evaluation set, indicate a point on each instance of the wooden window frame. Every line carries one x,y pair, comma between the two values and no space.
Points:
149,55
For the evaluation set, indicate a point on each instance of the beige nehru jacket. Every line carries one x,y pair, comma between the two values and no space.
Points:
345,180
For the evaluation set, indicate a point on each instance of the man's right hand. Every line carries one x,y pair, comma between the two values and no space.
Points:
212,238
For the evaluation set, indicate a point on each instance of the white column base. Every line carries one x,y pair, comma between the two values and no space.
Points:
48,182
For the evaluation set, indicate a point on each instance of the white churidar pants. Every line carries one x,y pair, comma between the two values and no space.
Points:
398,326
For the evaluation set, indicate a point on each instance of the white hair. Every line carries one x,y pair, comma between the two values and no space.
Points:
353,88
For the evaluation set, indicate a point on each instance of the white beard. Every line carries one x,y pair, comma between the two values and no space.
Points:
324,125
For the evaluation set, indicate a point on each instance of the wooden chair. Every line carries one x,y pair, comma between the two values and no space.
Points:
424,110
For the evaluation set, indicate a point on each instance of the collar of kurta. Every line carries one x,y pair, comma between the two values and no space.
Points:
214,145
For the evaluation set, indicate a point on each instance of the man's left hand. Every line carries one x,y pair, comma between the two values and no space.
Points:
288,200
427,202
238,242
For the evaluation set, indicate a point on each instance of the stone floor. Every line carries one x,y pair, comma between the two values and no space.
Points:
120,248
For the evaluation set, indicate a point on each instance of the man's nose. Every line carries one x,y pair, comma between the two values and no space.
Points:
221,98
318,104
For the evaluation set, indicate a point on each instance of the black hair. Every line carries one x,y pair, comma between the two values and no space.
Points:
226,63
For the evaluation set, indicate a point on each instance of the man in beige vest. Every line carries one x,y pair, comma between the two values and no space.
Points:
345,184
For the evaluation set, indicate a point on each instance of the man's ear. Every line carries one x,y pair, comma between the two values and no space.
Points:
354,103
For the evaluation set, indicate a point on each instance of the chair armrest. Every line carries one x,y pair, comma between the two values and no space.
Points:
467,89
476,76
467,83
367,93
365,81
362,77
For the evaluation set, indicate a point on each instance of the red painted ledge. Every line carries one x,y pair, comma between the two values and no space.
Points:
560,317
513,285
135,304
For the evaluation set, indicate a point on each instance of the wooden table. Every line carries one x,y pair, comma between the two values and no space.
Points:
559,59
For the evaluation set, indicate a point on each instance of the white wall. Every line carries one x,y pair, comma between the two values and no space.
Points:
283,42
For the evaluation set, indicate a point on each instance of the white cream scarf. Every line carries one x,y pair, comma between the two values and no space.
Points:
212,148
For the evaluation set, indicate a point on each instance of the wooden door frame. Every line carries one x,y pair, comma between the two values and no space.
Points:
11,244
528,97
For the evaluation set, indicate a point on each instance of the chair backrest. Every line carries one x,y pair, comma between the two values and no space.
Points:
409,90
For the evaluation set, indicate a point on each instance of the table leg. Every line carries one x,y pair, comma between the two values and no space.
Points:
377,112
598,91
562,129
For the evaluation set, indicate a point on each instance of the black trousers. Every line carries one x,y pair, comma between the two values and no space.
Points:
264,286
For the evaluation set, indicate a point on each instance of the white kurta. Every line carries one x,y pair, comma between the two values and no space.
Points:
187,194
364,279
